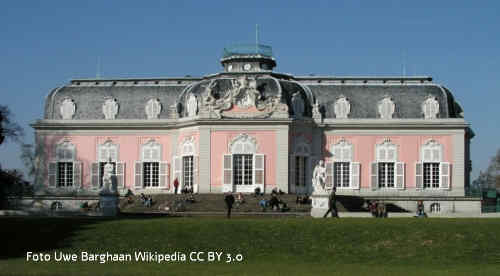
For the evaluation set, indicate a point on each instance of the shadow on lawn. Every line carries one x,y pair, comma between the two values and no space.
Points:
19,235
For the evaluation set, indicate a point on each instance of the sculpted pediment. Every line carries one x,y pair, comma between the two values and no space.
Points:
242,99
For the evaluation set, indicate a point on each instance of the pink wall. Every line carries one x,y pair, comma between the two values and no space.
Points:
129,147
266,144
408,152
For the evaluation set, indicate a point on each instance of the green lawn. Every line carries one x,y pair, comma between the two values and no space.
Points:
289,246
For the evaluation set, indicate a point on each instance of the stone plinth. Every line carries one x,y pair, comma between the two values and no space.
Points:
109,205
319,205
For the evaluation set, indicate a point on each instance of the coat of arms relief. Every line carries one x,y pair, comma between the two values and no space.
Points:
244,94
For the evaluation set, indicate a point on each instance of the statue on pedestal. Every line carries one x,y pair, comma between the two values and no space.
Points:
319,179
108,180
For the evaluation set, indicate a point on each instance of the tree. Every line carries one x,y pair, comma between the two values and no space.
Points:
8,129
490,179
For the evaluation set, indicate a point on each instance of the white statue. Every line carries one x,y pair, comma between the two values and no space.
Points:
108,180
319,178
192,106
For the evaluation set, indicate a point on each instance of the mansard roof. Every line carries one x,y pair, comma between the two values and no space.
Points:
363,94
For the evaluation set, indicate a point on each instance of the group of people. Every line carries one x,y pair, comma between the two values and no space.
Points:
146,200
275,203
377,209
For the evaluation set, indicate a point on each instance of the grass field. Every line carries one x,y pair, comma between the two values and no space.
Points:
291,246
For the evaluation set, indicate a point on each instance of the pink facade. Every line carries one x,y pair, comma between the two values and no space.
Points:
409,147
129,151
266,144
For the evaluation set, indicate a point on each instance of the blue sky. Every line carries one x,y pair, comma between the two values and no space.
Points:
44,44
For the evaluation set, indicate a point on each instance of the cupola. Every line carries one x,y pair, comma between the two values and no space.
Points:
248,58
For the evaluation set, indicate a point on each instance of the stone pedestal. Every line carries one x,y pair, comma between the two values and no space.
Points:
109,205
319,205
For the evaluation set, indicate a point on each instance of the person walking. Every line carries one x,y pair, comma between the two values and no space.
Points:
332,202
229,199
176,186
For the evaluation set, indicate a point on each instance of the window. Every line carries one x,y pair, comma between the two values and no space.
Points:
387,172
300,170
150,172
64,174
64,171
431,172
342,173
187,169
242,169
431,175
107,152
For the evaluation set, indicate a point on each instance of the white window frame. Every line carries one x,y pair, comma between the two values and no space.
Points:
388,152
432,152
243,144
65,152
342,153
151,153
107,152
185,149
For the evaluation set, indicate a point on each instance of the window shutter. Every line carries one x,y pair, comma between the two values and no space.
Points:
355,173
164,177
400,175
329,176
444,179
120,175
77,174
258,170
291,173
94,171
227,183
374,175
138,175
419,175
178,172
52,174
196,179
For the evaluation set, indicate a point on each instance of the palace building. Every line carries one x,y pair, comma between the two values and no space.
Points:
248,127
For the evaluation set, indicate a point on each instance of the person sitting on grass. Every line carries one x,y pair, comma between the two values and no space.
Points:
372,205
143,198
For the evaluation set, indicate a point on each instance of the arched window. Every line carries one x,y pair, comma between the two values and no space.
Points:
186,166
107,152
387,171
343,171
244,167
65,170
151,172
431,172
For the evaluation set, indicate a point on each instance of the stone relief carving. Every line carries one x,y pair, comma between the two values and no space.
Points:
192,106
342,107
297,105
67,109
244,94
153,109
386,108
110,109
430,108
